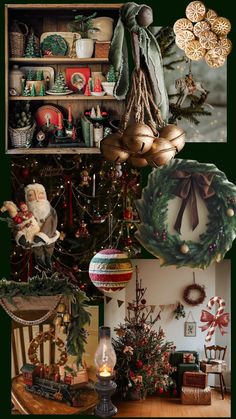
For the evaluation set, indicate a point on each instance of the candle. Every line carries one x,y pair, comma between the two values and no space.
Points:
105,374
47,120
69,114
94,185
59,121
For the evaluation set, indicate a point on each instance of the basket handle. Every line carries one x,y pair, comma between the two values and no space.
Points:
25,29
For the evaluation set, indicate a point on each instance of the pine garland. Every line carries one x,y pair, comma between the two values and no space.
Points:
153,208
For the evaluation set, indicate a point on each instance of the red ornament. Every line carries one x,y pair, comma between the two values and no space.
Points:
97,86
161,390
131,374
143,301
87,91
25,172
64,205
128,213
128,241
139,364
175,392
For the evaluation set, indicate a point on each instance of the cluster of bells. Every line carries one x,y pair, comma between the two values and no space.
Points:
63,318
138,145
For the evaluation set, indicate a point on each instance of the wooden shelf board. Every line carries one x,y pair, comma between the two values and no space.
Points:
58,60
58,97
54,150
75,6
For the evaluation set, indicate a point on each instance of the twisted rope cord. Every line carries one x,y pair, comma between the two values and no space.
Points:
141,101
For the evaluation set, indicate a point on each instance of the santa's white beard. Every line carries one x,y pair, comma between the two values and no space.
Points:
40,210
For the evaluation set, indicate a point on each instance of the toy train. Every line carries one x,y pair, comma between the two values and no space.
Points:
50,389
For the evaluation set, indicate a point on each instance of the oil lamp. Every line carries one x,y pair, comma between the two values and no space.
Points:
105,360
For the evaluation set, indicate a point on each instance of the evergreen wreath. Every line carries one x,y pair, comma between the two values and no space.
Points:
199,299
153,207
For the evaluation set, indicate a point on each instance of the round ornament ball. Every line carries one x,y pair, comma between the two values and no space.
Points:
161,152
184,249
174,134
138,138
230,212
25,172
110,270
112,150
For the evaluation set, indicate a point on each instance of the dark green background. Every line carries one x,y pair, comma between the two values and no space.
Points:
222,155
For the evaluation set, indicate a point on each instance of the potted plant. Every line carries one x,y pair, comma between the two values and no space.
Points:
109,84
85,45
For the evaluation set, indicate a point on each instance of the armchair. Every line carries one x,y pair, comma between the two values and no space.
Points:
177,360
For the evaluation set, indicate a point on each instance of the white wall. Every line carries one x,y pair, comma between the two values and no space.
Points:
223,282
165,286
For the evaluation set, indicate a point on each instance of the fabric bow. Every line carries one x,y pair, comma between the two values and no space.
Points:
212,322
186,189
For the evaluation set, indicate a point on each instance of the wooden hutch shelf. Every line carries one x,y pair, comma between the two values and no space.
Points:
59,97
55,150
55,18
58,60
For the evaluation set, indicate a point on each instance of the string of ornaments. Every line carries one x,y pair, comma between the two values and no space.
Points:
203,35
143,138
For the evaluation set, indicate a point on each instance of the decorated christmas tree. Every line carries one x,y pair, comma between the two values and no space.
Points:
31,50
59,86
31,75
111,75
26,91
39,75
33,91
142,365
42,90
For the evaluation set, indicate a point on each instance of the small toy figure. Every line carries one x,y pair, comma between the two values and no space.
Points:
82,230
24,222
85,178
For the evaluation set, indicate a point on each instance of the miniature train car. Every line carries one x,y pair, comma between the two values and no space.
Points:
49,389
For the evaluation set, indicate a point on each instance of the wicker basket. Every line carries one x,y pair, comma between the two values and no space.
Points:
22,137
17,38
102,49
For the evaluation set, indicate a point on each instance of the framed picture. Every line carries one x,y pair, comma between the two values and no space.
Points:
190,329
77,78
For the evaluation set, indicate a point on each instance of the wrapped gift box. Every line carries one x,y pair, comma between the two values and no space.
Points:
213,366
195,379
191,395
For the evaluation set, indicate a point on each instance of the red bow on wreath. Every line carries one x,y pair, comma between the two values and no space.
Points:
186,189
212,322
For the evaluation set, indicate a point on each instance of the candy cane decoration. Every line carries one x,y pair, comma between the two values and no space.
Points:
219,312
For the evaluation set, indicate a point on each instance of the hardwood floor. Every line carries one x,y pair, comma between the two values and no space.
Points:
160,407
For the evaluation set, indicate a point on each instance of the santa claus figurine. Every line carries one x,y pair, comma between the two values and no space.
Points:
46,216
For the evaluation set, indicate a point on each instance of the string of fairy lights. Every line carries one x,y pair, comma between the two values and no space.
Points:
100,205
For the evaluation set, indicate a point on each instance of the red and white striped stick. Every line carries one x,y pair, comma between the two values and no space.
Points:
219,312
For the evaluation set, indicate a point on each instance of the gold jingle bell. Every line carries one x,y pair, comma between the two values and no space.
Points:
111,148
138,138
61,308
137,160
174,134
58,321
66,318
161,152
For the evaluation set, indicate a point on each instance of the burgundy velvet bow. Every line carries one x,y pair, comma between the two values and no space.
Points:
214,321
186,189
